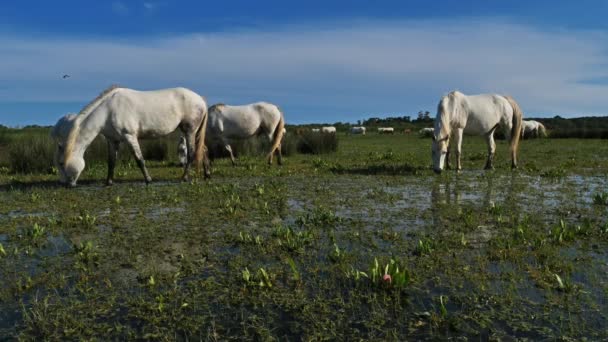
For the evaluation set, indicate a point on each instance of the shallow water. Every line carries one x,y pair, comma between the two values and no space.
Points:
174,238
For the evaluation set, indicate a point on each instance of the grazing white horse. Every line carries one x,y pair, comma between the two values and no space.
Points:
533,129
475,114
125,115
426,132
328,129
182,151
386,130
315,130
228,123
358,130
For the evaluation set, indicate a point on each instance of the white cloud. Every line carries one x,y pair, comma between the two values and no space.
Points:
151,5
120,8
352,70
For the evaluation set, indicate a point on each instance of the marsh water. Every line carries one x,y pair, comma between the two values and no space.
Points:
484,242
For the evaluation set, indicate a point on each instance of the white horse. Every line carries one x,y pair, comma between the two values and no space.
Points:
316,130
475,114
357,130
426,132
125,115
533,129
228,123
386,130
328,129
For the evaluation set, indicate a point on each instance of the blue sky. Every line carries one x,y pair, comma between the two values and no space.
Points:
321,61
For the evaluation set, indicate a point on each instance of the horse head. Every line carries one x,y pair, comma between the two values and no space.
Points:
441,133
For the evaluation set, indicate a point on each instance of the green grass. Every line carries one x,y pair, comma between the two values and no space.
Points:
364,243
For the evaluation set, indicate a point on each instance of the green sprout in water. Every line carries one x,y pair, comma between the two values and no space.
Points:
601,198
261,278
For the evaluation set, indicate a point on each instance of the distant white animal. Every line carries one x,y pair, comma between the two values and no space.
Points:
60,133
182,151
227,123
426,132
532,129
357,130
315,130
125,115
328,129
474,114
386,130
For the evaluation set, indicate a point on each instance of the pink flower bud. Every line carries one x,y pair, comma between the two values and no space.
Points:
387,278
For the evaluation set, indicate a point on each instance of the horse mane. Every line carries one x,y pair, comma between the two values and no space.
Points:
84,112
445,113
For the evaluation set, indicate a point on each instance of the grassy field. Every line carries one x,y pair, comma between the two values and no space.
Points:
364,243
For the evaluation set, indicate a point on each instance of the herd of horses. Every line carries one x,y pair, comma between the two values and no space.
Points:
123,116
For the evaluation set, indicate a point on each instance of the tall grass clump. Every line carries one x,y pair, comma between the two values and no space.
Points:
31,155
157,149
153,149
317,143
255,146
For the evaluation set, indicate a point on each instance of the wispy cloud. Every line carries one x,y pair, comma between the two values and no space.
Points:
349,70
120,8
152,5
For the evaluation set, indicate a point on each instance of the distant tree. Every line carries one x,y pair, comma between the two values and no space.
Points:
420,115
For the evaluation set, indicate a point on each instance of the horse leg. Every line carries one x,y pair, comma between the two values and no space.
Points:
491,150
134,144
447,157
206,163
280,155
229,149
112,153
190,139
458,141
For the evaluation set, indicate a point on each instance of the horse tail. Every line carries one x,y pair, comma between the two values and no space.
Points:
542,130
199,154
278,136
515,129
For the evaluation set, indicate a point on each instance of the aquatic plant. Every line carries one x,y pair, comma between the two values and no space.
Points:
600,198
260,279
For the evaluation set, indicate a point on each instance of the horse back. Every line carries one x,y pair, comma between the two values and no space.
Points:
485,112
154,113
245,120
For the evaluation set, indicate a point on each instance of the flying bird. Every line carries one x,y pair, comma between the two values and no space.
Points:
66,76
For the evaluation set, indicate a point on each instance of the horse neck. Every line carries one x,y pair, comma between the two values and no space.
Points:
90,127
